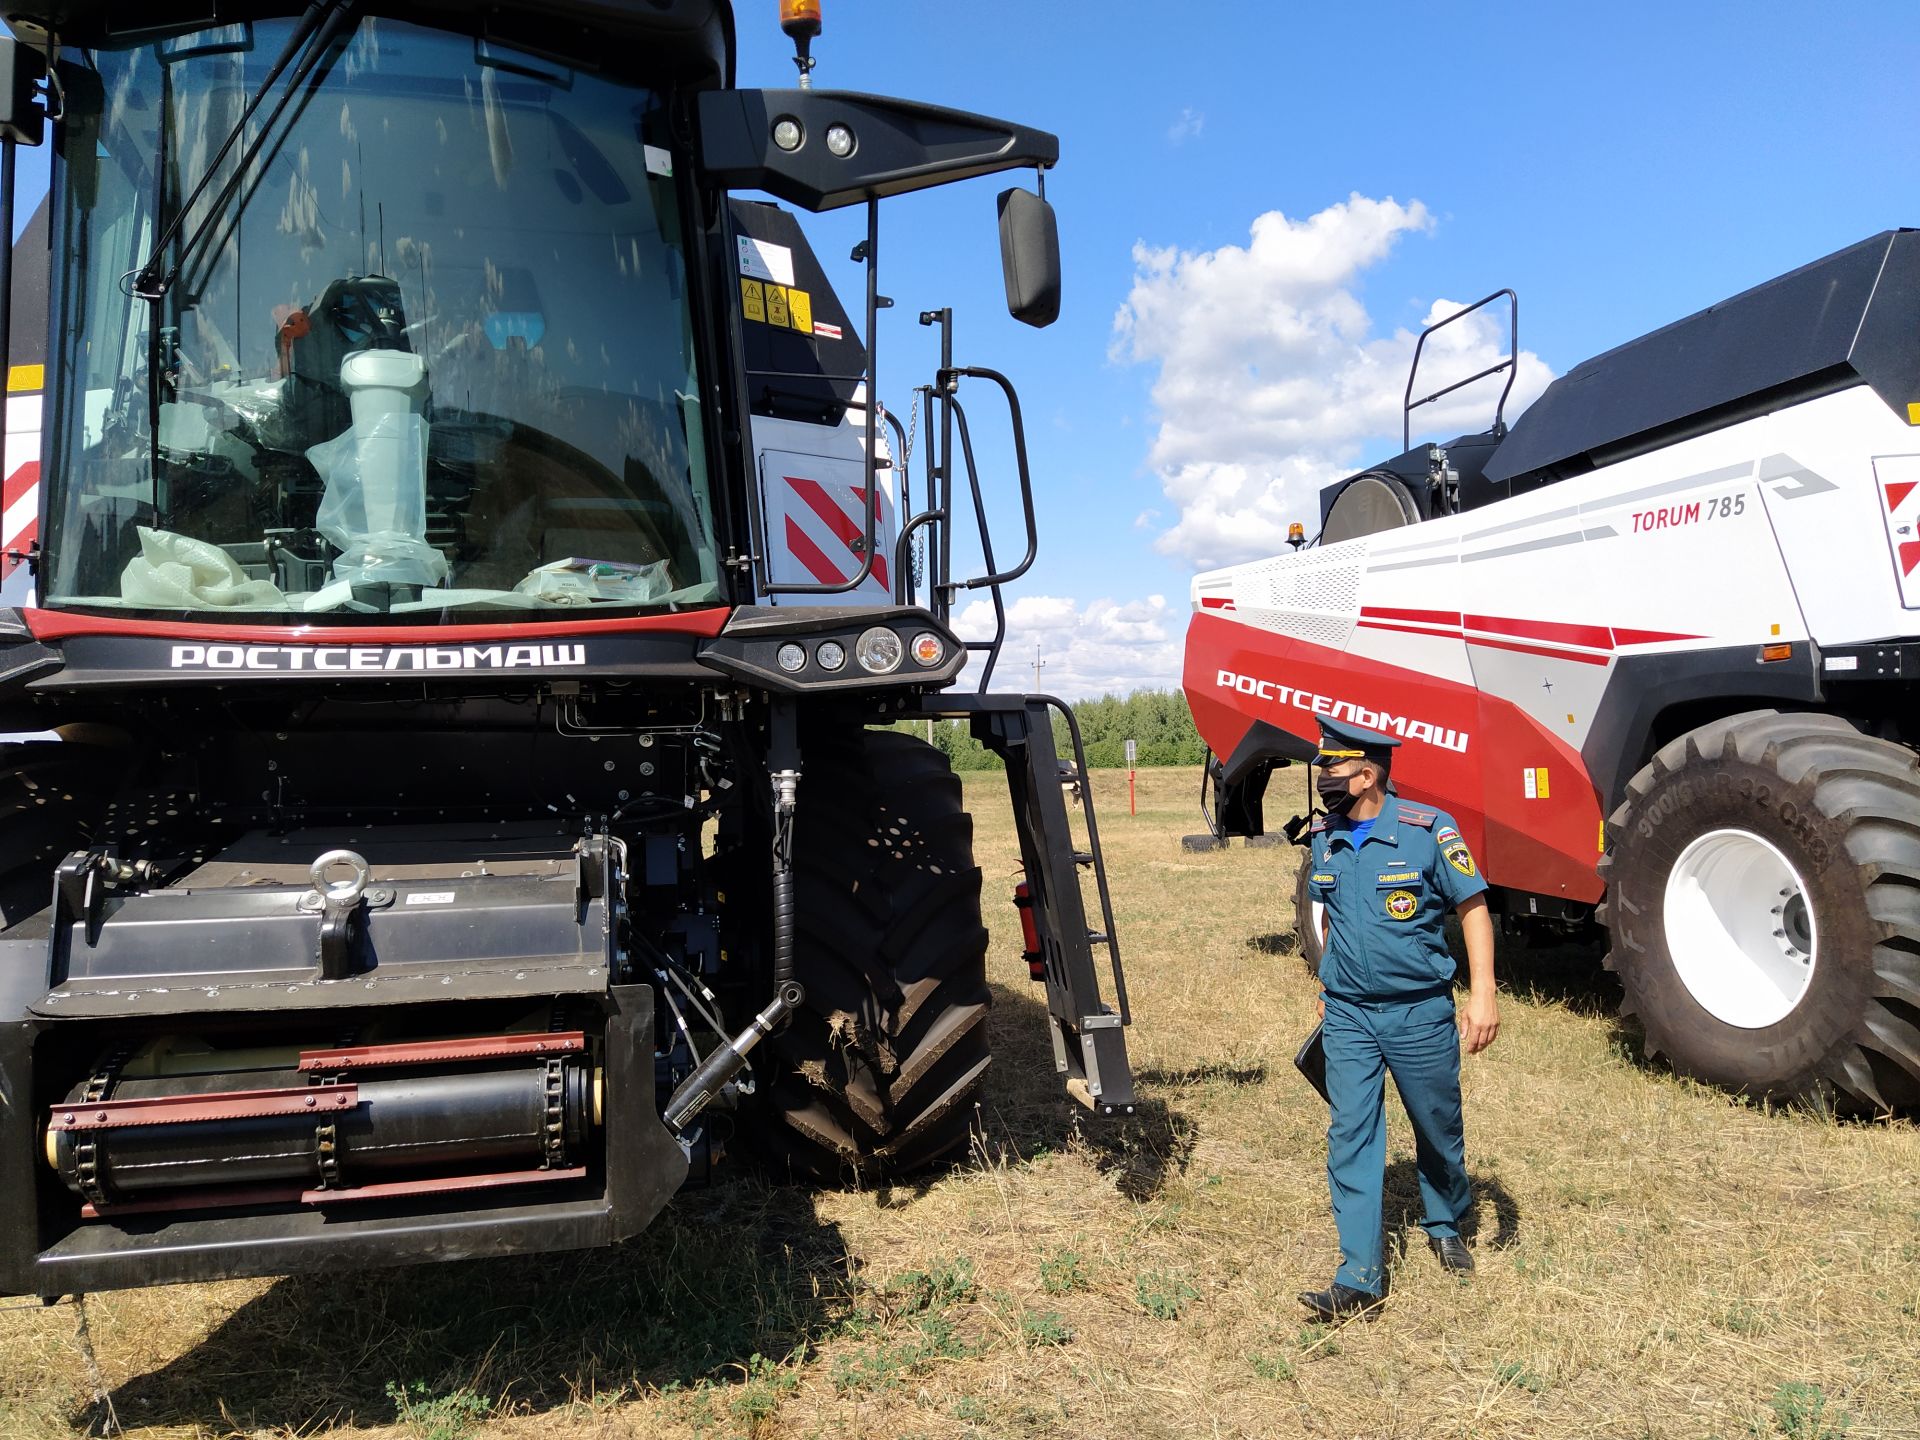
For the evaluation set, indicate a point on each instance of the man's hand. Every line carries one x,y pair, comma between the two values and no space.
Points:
1319,1007
1479,1020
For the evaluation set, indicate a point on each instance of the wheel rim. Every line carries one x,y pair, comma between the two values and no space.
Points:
1740,928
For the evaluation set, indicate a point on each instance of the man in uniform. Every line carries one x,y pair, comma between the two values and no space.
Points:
1387,873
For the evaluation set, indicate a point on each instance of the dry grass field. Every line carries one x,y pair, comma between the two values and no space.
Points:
1655,1259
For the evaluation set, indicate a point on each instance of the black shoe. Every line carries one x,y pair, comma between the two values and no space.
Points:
1341,1302
1453,1253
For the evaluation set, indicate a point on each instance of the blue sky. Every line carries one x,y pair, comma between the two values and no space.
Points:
1618,166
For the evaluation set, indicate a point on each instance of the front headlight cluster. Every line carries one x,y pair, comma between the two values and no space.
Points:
878,651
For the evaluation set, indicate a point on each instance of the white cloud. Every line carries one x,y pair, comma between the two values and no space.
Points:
1187,127
1272,382
1103,647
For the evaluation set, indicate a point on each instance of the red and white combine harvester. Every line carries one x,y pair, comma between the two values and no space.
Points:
1655,648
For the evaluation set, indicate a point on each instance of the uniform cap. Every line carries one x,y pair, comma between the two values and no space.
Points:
1340,741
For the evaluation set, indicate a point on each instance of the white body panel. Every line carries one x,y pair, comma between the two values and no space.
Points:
1772,530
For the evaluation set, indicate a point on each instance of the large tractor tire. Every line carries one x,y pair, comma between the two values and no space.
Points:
1306,916
878,1073
1764,903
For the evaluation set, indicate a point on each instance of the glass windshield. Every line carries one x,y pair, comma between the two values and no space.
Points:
434,352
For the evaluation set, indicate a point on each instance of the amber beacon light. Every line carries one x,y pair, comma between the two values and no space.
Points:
801,20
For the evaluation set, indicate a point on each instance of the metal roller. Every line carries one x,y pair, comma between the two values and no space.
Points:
301,1131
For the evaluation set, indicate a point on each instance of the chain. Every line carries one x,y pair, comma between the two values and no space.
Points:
86,1152
906,469
556,1135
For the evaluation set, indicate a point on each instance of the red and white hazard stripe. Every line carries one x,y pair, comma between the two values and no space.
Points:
827,527
20,491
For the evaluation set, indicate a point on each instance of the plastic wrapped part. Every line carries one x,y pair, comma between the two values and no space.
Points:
374,508
582,582
177,572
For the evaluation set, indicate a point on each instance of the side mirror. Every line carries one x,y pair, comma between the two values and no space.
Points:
21,69
1030,257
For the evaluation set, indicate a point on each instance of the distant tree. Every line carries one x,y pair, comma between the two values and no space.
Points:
1157,721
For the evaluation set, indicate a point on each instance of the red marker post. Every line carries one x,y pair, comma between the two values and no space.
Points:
1132,809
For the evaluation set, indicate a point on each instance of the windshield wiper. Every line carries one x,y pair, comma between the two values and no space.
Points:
314,34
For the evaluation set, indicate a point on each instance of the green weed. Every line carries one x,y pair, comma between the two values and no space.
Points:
1063,1273
1163,1295
437,1417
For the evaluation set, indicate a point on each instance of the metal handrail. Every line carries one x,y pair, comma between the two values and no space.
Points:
1511,365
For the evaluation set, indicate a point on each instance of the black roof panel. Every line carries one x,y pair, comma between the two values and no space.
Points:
1852,317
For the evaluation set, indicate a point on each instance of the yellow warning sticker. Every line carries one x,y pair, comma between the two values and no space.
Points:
1603,837
1533,782
777,305
1913,412
800,308
753,300
1540,783
27,377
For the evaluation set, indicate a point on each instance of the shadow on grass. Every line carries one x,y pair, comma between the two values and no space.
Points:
744,1268
1402,1211
1028,1113
723,1274
1280,944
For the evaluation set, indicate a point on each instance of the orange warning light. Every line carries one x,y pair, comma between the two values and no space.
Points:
1775,652
1296,534
800,18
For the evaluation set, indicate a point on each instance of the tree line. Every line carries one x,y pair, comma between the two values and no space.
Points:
1158,721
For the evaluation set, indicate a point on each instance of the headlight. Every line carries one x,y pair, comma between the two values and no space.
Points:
928,649
787,133
791,657
878,650
839,141
831,655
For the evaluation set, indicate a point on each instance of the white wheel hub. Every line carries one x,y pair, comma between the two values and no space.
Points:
1740,928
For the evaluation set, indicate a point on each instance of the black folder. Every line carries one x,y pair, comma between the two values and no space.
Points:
1311,1061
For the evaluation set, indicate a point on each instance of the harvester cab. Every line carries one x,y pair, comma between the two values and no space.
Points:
1653,647
471,619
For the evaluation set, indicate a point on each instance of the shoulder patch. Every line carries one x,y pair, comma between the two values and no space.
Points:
1423,818
1319,826
1444,834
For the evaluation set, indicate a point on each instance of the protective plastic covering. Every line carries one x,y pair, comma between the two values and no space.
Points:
375,505
177,572
580,582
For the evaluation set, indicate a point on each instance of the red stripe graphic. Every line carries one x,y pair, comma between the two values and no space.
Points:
838,521
1898,490
1431,617
58,624
1648,637
1216,602
1594,637
1579,655
810,555
19,483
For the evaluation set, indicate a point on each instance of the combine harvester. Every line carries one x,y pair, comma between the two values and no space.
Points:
471,593
1655,647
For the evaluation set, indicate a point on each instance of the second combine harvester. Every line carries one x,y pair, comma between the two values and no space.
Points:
1655,647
